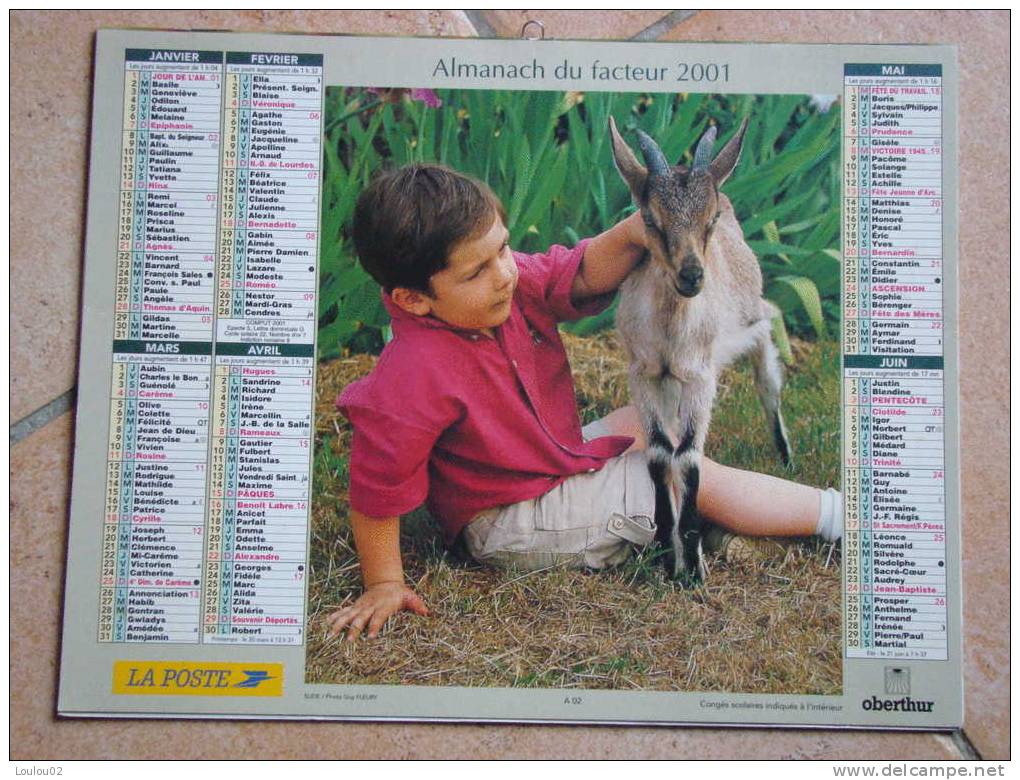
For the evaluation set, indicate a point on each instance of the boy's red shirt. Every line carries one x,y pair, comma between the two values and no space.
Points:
463,422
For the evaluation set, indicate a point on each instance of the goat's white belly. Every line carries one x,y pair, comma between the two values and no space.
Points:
658,344
730,345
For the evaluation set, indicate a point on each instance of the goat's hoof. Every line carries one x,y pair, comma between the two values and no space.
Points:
786,456
669,562
689,573
782,441
690,579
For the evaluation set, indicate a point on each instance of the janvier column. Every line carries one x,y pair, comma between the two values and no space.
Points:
162,341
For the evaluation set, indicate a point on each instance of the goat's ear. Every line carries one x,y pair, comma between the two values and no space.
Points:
722,166
633,172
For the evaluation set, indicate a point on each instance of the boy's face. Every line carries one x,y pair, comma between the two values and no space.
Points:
475,289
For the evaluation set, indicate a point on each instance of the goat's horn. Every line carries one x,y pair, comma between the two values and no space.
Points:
654,158
703,154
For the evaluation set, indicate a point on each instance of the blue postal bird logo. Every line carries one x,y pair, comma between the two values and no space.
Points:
254,678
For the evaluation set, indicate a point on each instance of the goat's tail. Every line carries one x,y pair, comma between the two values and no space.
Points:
768,375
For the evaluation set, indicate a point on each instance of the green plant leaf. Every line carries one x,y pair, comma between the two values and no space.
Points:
686,127
772,236
796,158
752,223
807,294
522,184
762,248
800,227
821,268
776,120
589,325
334,337
782,340
425,151
549,186
364,305
826,232
599,194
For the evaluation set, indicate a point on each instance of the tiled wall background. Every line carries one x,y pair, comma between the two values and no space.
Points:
51,54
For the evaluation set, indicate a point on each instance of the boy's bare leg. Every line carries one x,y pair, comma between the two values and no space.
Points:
626,422
753,504
744,502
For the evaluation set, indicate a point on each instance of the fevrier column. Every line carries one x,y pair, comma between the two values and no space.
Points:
264,352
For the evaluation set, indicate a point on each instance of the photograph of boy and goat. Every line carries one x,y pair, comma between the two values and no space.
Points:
577,401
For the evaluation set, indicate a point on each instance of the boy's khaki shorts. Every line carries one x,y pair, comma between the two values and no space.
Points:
589,521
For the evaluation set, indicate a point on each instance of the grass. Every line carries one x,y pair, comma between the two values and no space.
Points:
771,624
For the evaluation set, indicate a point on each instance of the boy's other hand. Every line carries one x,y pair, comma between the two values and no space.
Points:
373,608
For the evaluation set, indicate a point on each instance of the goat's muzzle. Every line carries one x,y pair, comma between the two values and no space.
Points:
689,281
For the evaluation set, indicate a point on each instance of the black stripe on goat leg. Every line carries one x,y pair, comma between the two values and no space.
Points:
664,521
782,443
687,544
687,442
660,452
693,574
659,442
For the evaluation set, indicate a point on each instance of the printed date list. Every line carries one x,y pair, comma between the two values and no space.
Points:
893,402
207,495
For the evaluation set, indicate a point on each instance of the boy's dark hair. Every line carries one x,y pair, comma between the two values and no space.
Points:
409,220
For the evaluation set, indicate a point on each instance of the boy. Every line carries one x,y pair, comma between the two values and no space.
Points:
471,405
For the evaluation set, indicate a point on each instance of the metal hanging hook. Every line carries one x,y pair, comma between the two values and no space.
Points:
532,37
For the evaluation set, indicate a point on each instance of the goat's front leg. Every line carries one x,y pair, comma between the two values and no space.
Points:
675,413
656,409
693,414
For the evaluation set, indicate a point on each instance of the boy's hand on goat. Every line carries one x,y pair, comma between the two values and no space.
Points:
609,257
373,608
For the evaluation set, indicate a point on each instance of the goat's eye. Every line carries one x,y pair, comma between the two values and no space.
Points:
653,229
711,227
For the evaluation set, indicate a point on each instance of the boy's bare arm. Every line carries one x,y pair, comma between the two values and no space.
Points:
382,571
609,257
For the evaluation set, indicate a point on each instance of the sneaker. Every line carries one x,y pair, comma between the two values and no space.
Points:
739,549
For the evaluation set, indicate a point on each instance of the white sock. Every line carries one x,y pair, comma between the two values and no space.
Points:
830,516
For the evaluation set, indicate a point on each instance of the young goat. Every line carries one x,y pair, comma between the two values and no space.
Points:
690,308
